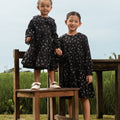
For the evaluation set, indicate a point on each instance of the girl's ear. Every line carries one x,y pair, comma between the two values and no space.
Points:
80,24
37,7
66,22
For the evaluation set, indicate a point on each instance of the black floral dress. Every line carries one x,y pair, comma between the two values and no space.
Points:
75,64
40,54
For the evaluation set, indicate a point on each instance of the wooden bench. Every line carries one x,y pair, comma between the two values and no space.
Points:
42,93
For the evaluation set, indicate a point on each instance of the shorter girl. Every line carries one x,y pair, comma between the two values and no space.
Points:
76,63
42,37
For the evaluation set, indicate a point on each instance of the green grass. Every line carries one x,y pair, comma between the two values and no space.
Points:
27,78
44,117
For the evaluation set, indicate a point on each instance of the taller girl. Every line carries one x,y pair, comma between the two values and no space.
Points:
42,37
76,62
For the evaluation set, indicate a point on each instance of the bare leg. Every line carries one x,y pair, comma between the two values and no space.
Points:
51,76
52,79
36,75
86,108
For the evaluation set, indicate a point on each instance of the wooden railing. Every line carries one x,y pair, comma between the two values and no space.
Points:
107,65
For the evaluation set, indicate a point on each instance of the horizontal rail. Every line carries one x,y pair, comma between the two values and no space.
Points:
98,64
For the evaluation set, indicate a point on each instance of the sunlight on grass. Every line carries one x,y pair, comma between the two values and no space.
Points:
44,117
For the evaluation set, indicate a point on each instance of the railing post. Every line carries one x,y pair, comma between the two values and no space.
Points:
99,94
117,92
16,84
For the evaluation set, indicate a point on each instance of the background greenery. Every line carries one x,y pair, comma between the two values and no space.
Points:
26,79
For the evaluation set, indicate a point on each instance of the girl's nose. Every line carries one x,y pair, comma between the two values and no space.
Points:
72,22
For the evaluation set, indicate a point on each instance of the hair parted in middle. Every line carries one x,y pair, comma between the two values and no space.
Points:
73,13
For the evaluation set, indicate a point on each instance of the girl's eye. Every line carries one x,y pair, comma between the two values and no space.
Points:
70,20
42,6
48,6
76,21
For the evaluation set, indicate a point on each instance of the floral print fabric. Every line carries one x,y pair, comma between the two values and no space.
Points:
75,64
40,54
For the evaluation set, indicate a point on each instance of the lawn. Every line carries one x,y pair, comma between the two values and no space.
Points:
44,117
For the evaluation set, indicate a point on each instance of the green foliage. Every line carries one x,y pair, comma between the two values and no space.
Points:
109,92
114,56
6,93
27,78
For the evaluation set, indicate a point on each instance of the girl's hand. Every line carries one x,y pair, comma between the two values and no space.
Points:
28,39
89,79
58,51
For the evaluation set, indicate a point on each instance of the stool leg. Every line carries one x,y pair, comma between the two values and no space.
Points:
75,104
61,109
36,111
52,108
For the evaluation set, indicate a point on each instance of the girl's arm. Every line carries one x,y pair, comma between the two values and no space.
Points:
58,51
89,78
89,67
56,42
29,35
88,60
28,39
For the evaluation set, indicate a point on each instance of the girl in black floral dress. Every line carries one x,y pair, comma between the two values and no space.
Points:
42,37
76,63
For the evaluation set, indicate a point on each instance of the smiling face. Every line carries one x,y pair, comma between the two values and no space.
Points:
45,7
73,22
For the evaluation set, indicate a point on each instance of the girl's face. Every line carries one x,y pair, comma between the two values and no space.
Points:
73,23
44,6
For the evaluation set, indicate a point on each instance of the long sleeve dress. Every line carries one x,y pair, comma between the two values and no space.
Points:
76,64
40,54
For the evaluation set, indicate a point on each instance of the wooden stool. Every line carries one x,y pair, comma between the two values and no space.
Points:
42,93
45,93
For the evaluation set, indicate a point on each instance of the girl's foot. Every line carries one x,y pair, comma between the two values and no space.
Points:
54,85
36,86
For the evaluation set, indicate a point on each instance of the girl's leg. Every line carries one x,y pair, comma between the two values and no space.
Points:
36,75
51,75
86,108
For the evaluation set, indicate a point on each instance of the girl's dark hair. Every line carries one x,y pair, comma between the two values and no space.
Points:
73,13
40,0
